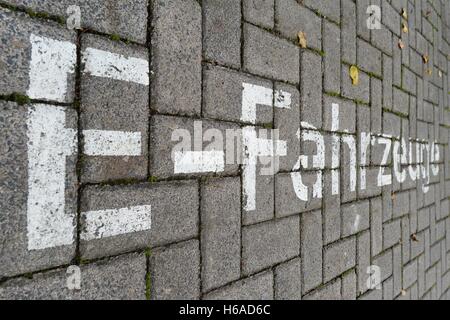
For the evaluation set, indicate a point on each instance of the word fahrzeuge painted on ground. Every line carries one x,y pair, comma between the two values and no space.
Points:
417,158
50,143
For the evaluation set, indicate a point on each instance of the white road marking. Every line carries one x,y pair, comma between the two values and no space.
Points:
49,143
106,64
253,95
109,223
51,63
112,143
199,162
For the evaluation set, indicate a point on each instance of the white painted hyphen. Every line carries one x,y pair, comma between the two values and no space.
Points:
106,64
112,143
190,162
113,222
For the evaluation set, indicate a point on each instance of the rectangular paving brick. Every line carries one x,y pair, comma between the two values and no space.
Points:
120,278
222,31
175,272
292,18
269,56
338,258
126,18
170,222
102,108
176,57
220,232
270,243
311,249
259,287
288,284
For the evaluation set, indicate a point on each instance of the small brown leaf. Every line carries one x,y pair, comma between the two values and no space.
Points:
404,14
354,75
425,58
401,45
414,238
427,14
430,72
405,27
302,39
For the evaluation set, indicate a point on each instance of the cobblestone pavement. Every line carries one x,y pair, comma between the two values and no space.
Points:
97,204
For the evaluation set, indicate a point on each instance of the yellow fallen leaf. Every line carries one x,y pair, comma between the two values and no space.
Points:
401,45
425,58
403,292
430,72
354,75
405,27
404,14
302,39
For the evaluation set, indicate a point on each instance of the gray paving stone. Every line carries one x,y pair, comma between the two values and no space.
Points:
338,258
311,89
222,31
332,60
360,92
401,204
102,108
355,217
270,243
347,114
363,260
382,39
409,81
292,18
391,234
369,57
311,250
260,12
288,284
220,232
348,30
384,261
376,107
390,17
15,59
287,203
176,57
120,278
259,287
376,225
362,16
349,286
16,259
270,56
170,222
125,18
331,212
396,63
175,272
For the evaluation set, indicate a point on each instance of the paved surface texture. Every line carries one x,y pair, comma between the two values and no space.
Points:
90,116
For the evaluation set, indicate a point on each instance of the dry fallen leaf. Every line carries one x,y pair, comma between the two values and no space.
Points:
430,72
401,45
440,74
425,58
414,238
302,39
354,75
405,27
427,14
404,14
403,292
